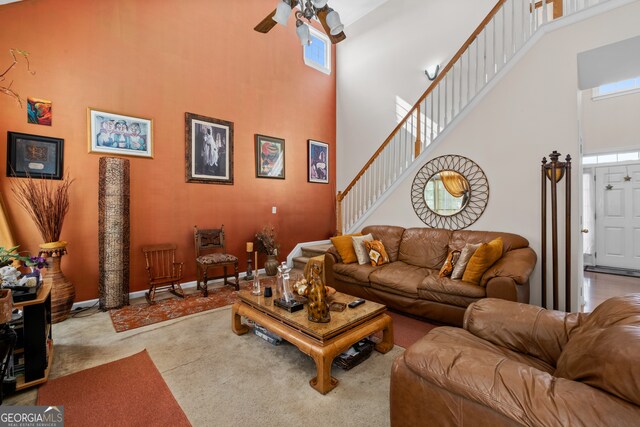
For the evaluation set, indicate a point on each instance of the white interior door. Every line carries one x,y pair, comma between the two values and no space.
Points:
618,216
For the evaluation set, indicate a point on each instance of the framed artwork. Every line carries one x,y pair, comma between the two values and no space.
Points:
39,111
317,162
35,156
209,150
269,157
116,134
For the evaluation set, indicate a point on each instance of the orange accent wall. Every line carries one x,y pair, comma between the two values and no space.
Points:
160,59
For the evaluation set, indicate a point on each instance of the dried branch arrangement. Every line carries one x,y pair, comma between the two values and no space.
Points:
6,89
46,201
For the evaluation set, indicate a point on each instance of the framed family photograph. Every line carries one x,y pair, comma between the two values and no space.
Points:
209,150
318,162
269,157
35,156
117,134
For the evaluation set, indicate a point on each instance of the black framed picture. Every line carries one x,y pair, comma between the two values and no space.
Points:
269,157
317,162
209,150
34,155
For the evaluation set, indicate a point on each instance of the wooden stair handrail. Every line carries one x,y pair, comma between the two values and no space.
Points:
426,93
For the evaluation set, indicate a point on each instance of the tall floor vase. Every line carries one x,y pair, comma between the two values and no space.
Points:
62,291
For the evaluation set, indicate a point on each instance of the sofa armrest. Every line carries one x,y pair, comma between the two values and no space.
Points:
330,258
516,264
520,327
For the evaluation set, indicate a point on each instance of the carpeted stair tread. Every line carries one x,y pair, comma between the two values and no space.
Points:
315,250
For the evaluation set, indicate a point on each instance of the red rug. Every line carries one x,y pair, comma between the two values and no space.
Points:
407,330
127,392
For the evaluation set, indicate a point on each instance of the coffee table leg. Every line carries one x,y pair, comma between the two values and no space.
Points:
387,336
323,382
236,321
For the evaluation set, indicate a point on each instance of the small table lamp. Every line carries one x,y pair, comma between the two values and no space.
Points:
249,275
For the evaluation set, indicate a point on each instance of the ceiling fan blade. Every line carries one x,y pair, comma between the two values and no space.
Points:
268,23
322,16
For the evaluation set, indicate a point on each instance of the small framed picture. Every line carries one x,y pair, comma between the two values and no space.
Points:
318,162
35,156
209,150
117,134
269,157
39,111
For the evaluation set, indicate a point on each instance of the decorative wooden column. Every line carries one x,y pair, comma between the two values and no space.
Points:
553,172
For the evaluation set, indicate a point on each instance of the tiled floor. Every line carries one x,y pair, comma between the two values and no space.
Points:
599,287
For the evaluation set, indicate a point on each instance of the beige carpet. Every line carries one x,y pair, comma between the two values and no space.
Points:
219,378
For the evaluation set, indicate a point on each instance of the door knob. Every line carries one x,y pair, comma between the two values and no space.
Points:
585,230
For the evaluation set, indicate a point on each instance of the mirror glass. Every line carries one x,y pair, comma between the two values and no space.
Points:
447,193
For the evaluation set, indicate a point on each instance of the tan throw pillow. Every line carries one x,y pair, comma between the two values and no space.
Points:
465,256
344,246
482,259
449,264
377,253
361,251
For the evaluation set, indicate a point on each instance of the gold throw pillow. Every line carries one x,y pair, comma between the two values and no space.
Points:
486,255
451,261
344,246
377,253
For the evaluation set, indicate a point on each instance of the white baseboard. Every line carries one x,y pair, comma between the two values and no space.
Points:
136,294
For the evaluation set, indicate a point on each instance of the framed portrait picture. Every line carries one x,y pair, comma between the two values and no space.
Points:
317,162
209,150
269,157
116,134
35,156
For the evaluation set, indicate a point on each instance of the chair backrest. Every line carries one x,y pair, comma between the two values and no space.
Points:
160,260
208,239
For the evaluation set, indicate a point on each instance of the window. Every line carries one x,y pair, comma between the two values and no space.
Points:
318,54
627,156
618,88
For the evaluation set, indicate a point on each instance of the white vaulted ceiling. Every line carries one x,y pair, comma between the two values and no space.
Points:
352,10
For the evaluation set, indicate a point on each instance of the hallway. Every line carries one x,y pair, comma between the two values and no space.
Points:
599,287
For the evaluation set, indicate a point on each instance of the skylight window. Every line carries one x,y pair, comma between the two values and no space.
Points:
618,88
318,54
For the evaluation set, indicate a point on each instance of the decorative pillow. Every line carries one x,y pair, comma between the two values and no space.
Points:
377,253
452,260
344,246
361,251
465,256
482,259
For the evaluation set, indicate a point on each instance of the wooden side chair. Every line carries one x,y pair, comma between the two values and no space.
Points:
206,241
163,270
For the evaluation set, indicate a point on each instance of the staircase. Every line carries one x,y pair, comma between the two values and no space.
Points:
309,251
499,37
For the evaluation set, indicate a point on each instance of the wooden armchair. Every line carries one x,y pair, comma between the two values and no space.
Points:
206,241
163,270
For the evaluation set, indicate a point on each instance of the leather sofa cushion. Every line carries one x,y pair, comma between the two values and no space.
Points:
603,351
351,281
390,237
445,285
424,247
399,278
460,238
355,271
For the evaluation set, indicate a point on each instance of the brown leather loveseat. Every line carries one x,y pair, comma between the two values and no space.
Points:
516,364
410,282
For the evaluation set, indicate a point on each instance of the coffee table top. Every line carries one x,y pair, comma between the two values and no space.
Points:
340,321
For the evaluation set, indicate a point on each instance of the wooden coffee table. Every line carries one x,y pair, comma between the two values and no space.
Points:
322,341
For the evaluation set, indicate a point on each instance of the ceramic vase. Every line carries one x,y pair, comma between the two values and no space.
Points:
317,307
62,291
271,265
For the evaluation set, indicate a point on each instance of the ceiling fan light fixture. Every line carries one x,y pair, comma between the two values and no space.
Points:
303,32
333,21
319,4
283,10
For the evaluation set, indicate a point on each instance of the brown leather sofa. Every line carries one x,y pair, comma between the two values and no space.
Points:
410,282
516,364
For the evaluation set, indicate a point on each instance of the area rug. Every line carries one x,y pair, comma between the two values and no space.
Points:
127,392
407,330
144,314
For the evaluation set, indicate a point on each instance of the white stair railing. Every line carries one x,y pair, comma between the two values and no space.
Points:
509,25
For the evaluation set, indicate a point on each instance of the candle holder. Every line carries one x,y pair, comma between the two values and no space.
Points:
249,275
256,285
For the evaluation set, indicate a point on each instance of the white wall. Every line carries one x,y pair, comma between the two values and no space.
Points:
610,124
384,56
532,111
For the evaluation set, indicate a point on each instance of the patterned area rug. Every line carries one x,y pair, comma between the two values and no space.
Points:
143,314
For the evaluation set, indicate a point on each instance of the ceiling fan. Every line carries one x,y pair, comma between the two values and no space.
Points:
328,17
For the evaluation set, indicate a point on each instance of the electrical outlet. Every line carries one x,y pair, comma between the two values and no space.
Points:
273,210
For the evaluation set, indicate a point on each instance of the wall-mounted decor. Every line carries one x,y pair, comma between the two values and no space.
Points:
117,134
269,157
34,155
450,192
39,111
209,150
317,162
